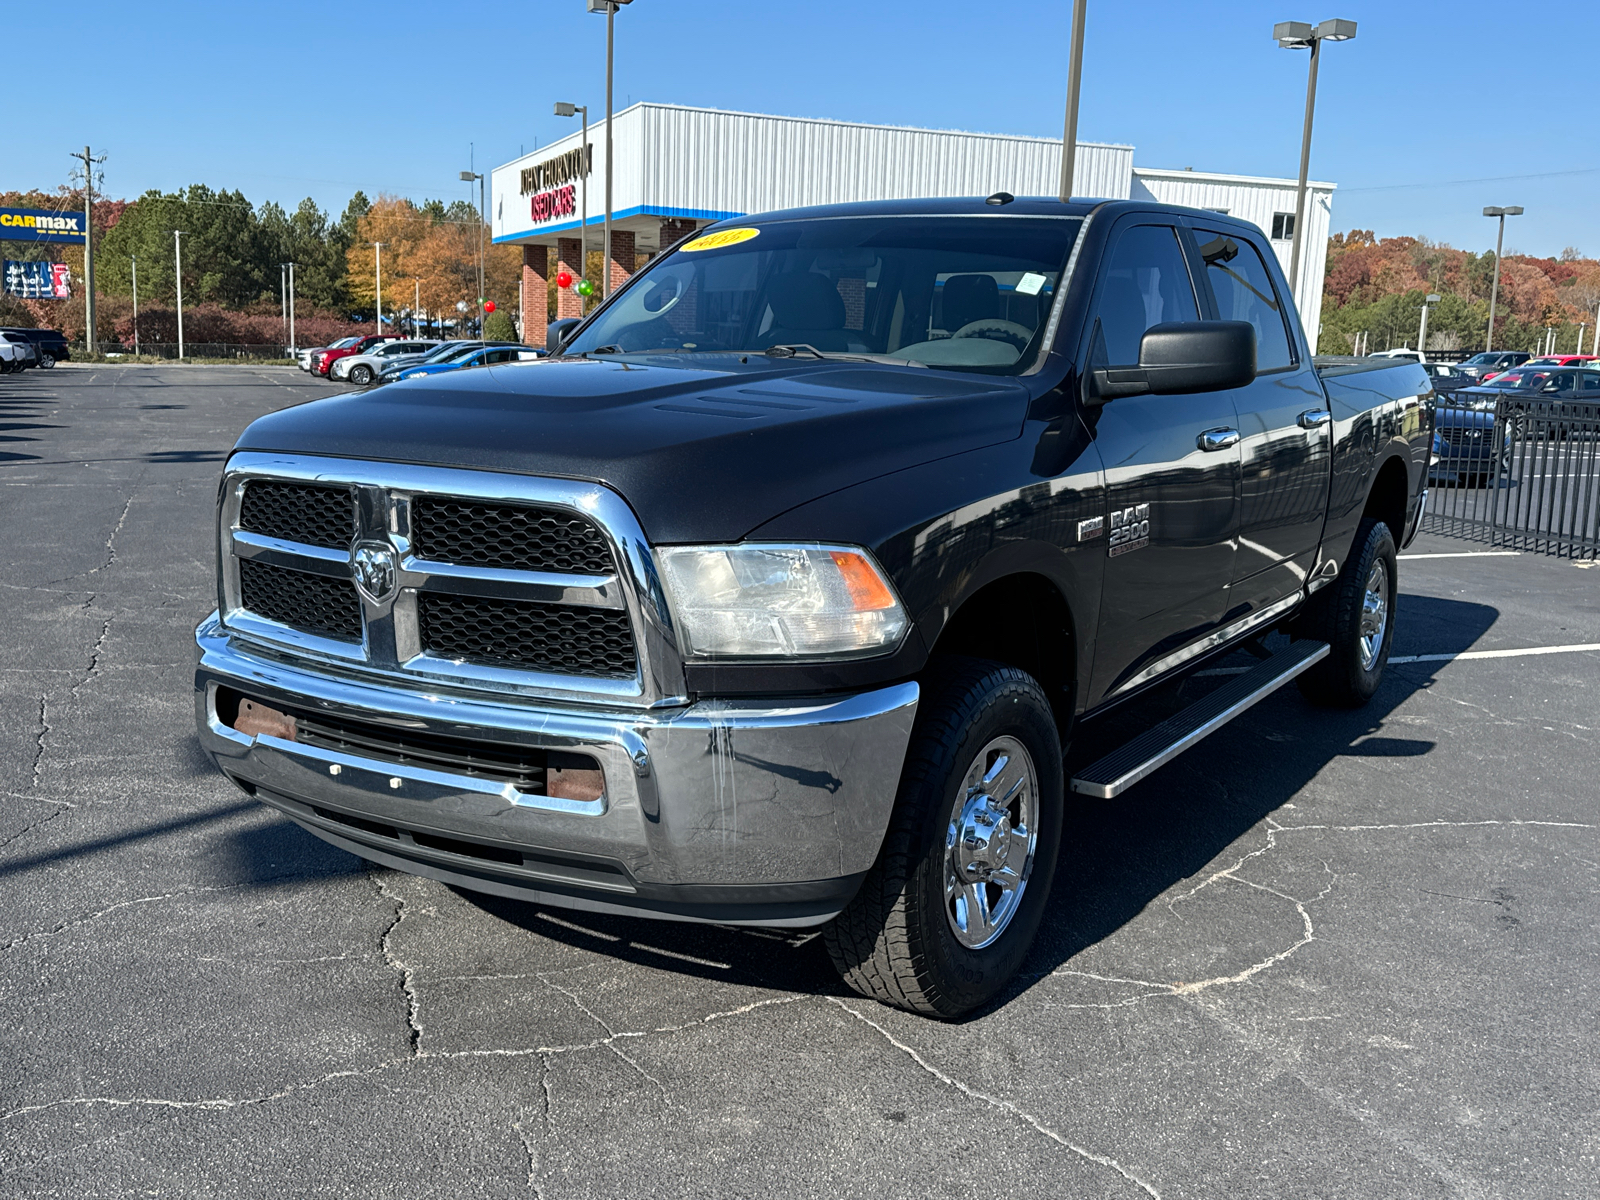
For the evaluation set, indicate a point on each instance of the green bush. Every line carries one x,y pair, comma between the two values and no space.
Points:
498,327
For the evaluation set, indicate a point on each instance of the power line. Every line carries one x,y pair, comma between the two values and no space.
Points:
1395,187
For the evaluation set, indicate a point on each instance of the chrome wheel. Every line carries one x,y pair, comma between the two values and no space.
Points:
1374,615
990,842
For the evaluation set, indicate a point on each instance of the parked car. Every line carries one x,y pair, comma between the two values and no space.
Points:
759,607
50,345
363,368
307,357
1523,380
1447,377
1405,352
1553,360
26,350
322,362
1465,449
443,352
489,355
11,356
1492,362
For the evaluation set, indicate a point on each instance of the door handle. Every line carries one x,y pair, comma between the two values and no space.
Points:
1217,439
1315,418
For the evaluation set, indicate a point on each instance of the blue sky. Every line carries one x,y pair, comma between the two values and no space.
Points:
298,99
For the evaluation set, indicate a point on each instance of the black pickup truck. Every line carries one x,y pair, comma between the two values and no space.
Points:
773,596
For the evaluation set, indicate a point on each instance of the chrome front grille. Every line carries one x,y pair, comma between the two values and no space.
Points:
558,638
471,579
315,603
296,512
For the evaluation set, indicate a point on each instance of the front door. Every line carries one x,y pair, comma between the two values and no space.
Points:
1286,432
1172,491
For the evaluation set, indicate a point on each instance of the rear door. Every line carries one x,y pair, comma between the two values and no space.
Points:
1286,430
1172,493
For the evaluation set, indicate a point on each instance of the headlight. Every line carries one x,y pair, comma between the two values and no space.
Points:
772,601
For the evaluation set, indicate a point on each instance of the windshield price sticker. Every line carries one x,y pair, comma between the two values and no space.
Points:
1030,284
725,237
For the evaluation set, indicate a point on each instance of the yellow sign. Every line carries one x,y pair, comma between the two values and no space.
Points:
725,237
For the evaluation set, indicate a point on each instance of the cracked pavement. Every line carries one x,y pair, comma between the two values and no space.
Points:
1326,954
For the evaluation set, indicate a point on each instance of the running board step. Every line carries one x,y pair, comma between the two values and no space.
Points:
1121,769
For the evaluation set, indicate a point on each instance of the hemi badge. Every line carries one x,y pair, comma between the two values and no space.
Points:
1092,527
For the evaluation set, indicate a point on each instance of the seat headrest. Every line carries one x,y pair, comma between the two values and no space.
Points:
969,298
805,300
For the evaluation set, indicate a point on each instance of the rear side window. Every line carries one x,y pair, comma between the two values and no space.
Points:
1244,292
1146,283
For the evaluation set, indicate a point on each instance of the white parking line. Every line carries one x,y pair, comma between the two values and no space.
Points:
1531,650
1584,648
1467,554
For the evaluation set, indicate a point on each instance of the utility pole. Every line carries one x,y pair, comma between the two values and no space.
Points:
292,342
1422,333
135,263
89,163
609,7
283,289
1069,139
177,253
1514,210
416,303
377,287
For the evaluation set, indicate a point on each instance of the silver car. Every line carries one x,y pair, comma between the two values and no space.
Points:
363,368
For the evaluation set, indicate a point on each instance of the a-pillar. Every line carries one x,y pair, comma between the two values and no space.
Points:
535,293
674,230
622,258
569,258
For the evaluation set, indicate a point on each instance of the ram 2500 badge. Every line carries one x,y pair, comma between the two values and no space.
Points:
773,596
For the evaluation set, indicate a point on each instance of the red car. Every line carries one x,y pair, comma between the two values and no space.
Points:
1548,360
323,359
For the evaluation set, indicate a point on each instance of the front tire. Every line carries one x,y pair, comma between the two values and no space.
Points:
948,912
361,375
1355,616
46,360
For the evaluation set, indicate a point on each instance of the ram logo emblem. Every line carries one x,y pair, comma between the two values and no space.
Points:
1130,530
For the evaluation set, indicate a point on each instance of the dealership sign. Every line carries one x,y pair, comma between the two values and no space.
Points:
36,225
557,202
38,280
553,172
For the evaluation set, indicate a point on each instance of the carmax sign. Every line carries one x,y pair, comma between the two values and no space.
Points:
36,225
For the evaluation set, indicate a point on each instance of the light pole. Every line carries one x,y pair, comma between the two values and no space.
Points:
468,177
283,288
1514,210
177,253
567,110
1069,139
1298,35
1422,332
377,285
294,344
609,7
135,263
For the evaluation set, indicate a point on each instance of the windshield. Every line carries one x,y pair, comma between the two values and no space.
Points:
1481,360
965,293
1522,380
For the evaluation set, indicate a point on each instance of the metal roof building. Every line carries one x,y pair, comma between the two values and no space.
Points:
678,168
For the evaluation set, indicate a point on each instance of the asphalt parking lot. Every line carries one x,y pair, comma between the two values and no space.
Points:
1327,954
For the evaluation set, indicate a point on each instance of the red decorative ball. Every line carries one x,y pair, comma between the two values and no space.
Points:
564,279
489,307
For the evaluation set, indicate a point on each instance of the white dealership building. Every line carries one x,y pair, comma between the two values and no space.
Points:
679,168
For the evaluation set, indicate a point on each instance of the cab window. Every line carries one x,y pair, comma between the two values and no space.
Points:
1146,283
1244,292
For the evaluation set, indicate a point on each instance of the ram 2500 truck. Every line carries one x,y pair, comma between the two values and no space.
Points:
773,596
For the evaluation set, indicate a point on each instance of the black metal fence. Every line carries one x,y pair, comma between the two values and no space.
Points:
1525,476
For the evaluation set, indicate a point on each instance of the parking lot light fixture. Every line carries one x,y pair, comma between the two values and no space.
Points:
468,177
1514,210
563,109
1299,35
1428,301
1069,140
609,7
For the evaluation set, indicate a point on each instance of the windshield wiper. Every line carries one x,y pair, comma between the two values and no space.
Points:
603,350
796,349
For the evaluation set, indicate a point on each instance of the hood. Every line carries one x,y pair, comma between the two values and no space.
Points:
702,454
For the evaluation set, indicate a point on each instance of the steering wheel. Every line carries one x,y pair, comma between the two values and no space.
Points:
996,330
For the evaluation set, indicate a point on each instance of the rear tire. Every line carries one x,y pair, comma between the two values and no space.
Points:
1355,616
949,911
361,375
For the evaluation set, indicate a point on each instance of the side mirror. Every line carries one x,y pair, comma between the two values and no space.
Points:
1184,356
556,332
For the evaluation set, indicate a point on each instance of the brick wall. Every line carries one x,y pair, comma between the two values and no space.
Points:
674,230
621,257
569,254
535,293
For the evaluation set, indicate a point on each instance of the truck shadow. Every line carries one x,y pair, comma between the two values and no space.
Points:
1119,855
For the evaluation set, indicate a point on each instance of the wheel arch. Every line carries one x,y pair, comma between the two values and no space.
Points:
1389,497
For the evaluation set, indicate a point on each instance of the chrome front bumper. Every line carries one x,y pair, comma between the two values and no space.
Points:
746,812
